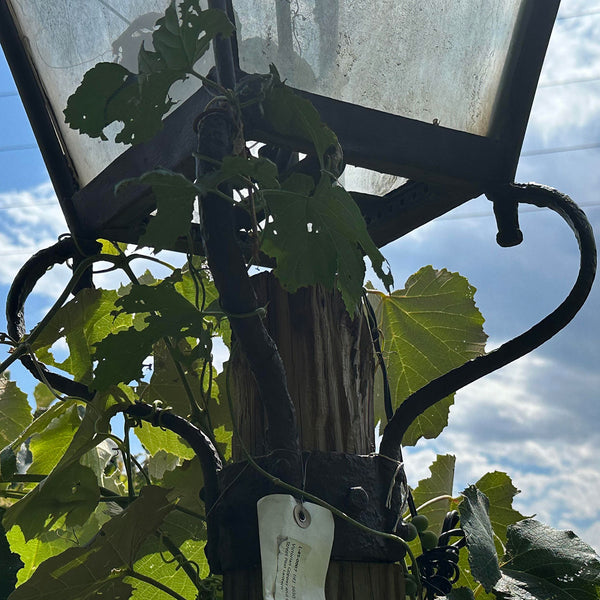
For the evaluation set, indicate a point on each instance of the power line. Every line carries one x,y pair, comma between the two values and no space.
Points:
589,13
559,150
478,215
17,206
568,82
18,148
8,94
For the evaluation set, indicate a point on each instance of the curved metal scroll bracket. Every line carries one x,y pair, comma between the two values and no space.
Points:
506,200
27,277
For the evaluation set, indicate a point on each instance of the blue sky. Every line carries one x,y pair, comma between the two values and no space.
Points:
536,419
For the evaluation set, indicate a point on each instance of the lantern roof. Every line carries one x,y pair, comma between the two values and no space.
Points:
424,89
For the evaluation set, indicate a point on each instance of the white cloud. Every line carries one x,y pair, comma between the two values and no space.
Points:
512,422
31,220
563,114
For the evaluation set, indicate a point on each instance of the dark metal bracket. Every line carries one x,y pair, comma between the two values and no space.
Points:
357,485
506,199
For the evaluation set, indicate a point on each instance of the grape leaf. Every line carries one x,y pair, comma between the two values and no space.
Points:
295,117
49,445
15,412
43,396
51,543
109,92
159,463
428,328
83,321
547,564
185,483
318,235
438,484
155,439
71,493
121,356
240,171
166,384
189,535
177,42
500,491
475,521
70,490
461,593
102,564
10,563
174,194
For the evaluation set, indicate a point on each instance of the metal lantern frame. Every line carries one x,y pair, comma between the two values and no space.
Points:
452,166
445,168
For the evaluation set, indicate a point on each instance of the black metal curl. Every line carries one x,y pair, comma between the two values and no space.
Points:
26,279
439,566
436,390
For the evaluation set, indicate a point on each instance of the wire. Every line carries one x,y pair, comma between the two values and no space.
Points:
8,94
479,215
568,82
559,150
589,13
18,147
17,206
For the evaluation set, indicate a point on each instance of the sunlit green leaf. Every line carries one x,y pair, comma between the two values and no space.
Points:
43,396
83,321
121,356
91,570
155,439
428,328
49,445
500,491
439,483
189,535
71,494
10,563
475,521
15,412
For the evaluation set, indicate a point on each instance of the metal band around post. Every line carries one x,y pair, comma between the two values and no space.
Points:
436,390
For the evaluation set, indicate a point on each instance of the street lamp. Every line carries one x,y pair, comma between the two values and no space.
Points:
438,93
435,92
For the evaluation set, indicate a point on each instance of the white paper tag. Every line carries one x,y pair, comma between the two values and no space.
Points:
295,547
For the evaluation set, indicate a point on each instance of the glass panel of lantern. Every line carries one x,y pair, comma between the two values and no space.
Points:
65,38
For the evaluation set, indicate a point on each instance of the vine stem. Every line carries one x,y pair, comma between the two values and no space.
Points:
153,582
196,411
183,562
433,501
